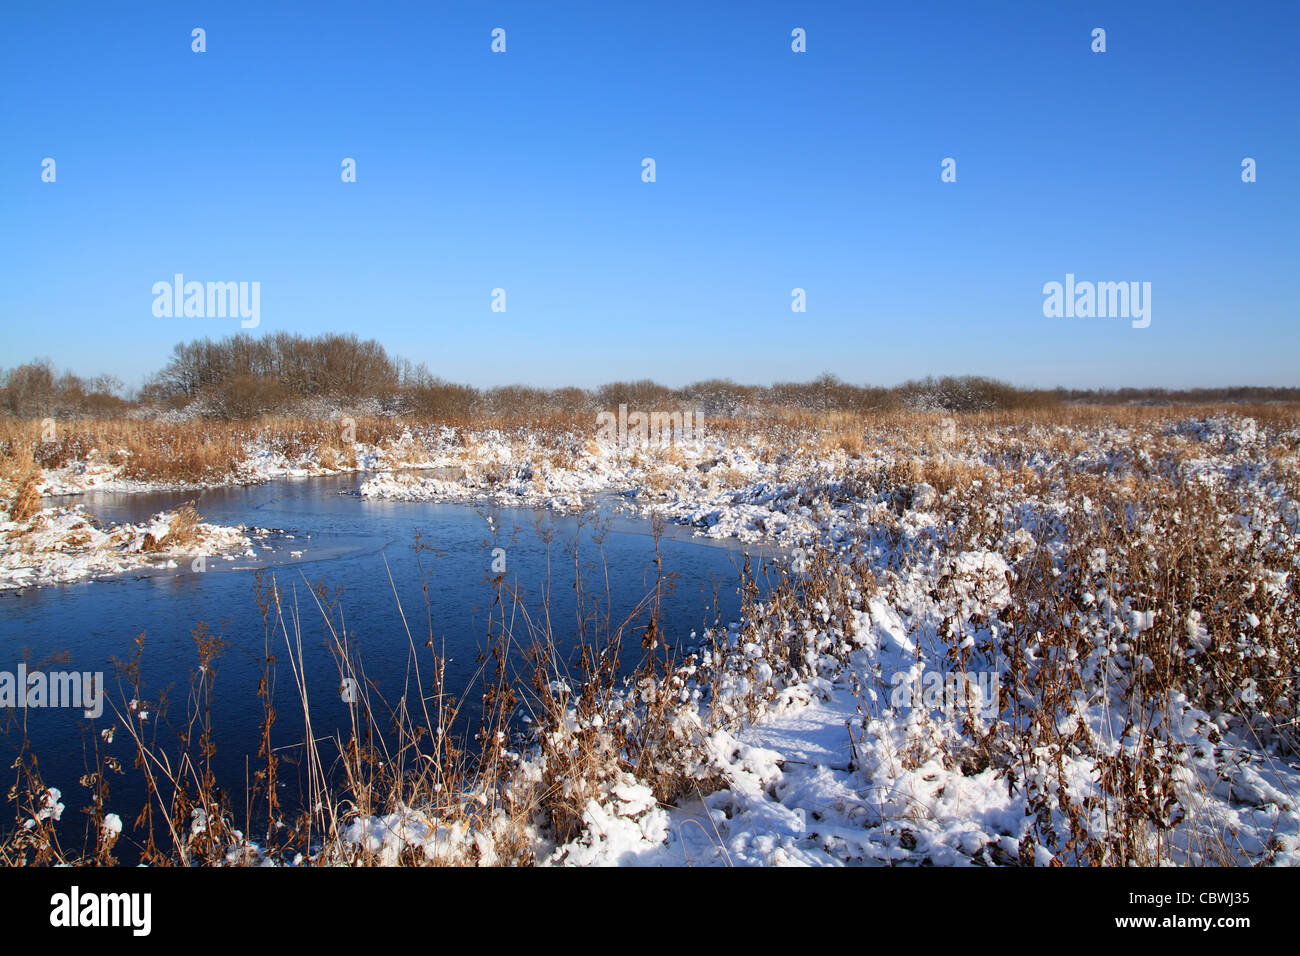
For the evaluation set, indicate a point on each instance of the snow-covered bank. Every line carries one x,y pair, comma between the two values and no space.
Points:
1129,593
837,771
63,545
253,461
833,777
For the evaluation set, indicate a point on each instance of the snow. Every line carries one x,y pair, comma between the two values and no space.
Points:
833,768
64,545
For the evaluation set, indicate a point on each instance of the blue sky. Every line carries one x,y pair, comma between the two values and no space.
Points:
775,170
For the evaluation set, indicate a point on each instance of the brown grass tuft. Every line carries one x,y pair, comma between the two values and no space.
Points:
28,500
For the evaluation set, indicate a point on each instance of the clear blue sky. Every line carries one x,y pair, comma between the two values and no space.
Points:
775,170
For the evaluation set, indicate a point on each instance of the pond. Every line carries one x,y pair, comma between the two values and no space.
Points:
362,555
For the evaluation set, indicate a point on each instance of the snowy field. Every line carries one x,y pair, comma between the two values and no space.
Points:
995,642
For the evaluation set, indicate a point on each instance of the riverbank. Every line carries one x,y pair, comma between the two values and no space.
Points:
1130,590
65,545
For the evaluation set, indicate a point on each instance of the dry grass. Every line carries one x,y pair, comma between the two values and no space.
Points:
209,451
188,453
1173,547
182,530
27,502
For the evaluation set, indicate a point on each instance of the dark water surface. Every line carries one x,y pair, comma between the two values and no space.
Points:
350,546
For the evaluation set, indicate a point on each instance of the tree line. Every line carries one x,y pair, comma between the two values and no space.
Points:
242,376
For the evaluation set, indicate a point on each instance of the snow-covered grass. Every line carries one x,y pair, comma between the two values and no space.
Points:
42,545
64,545
1126,583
